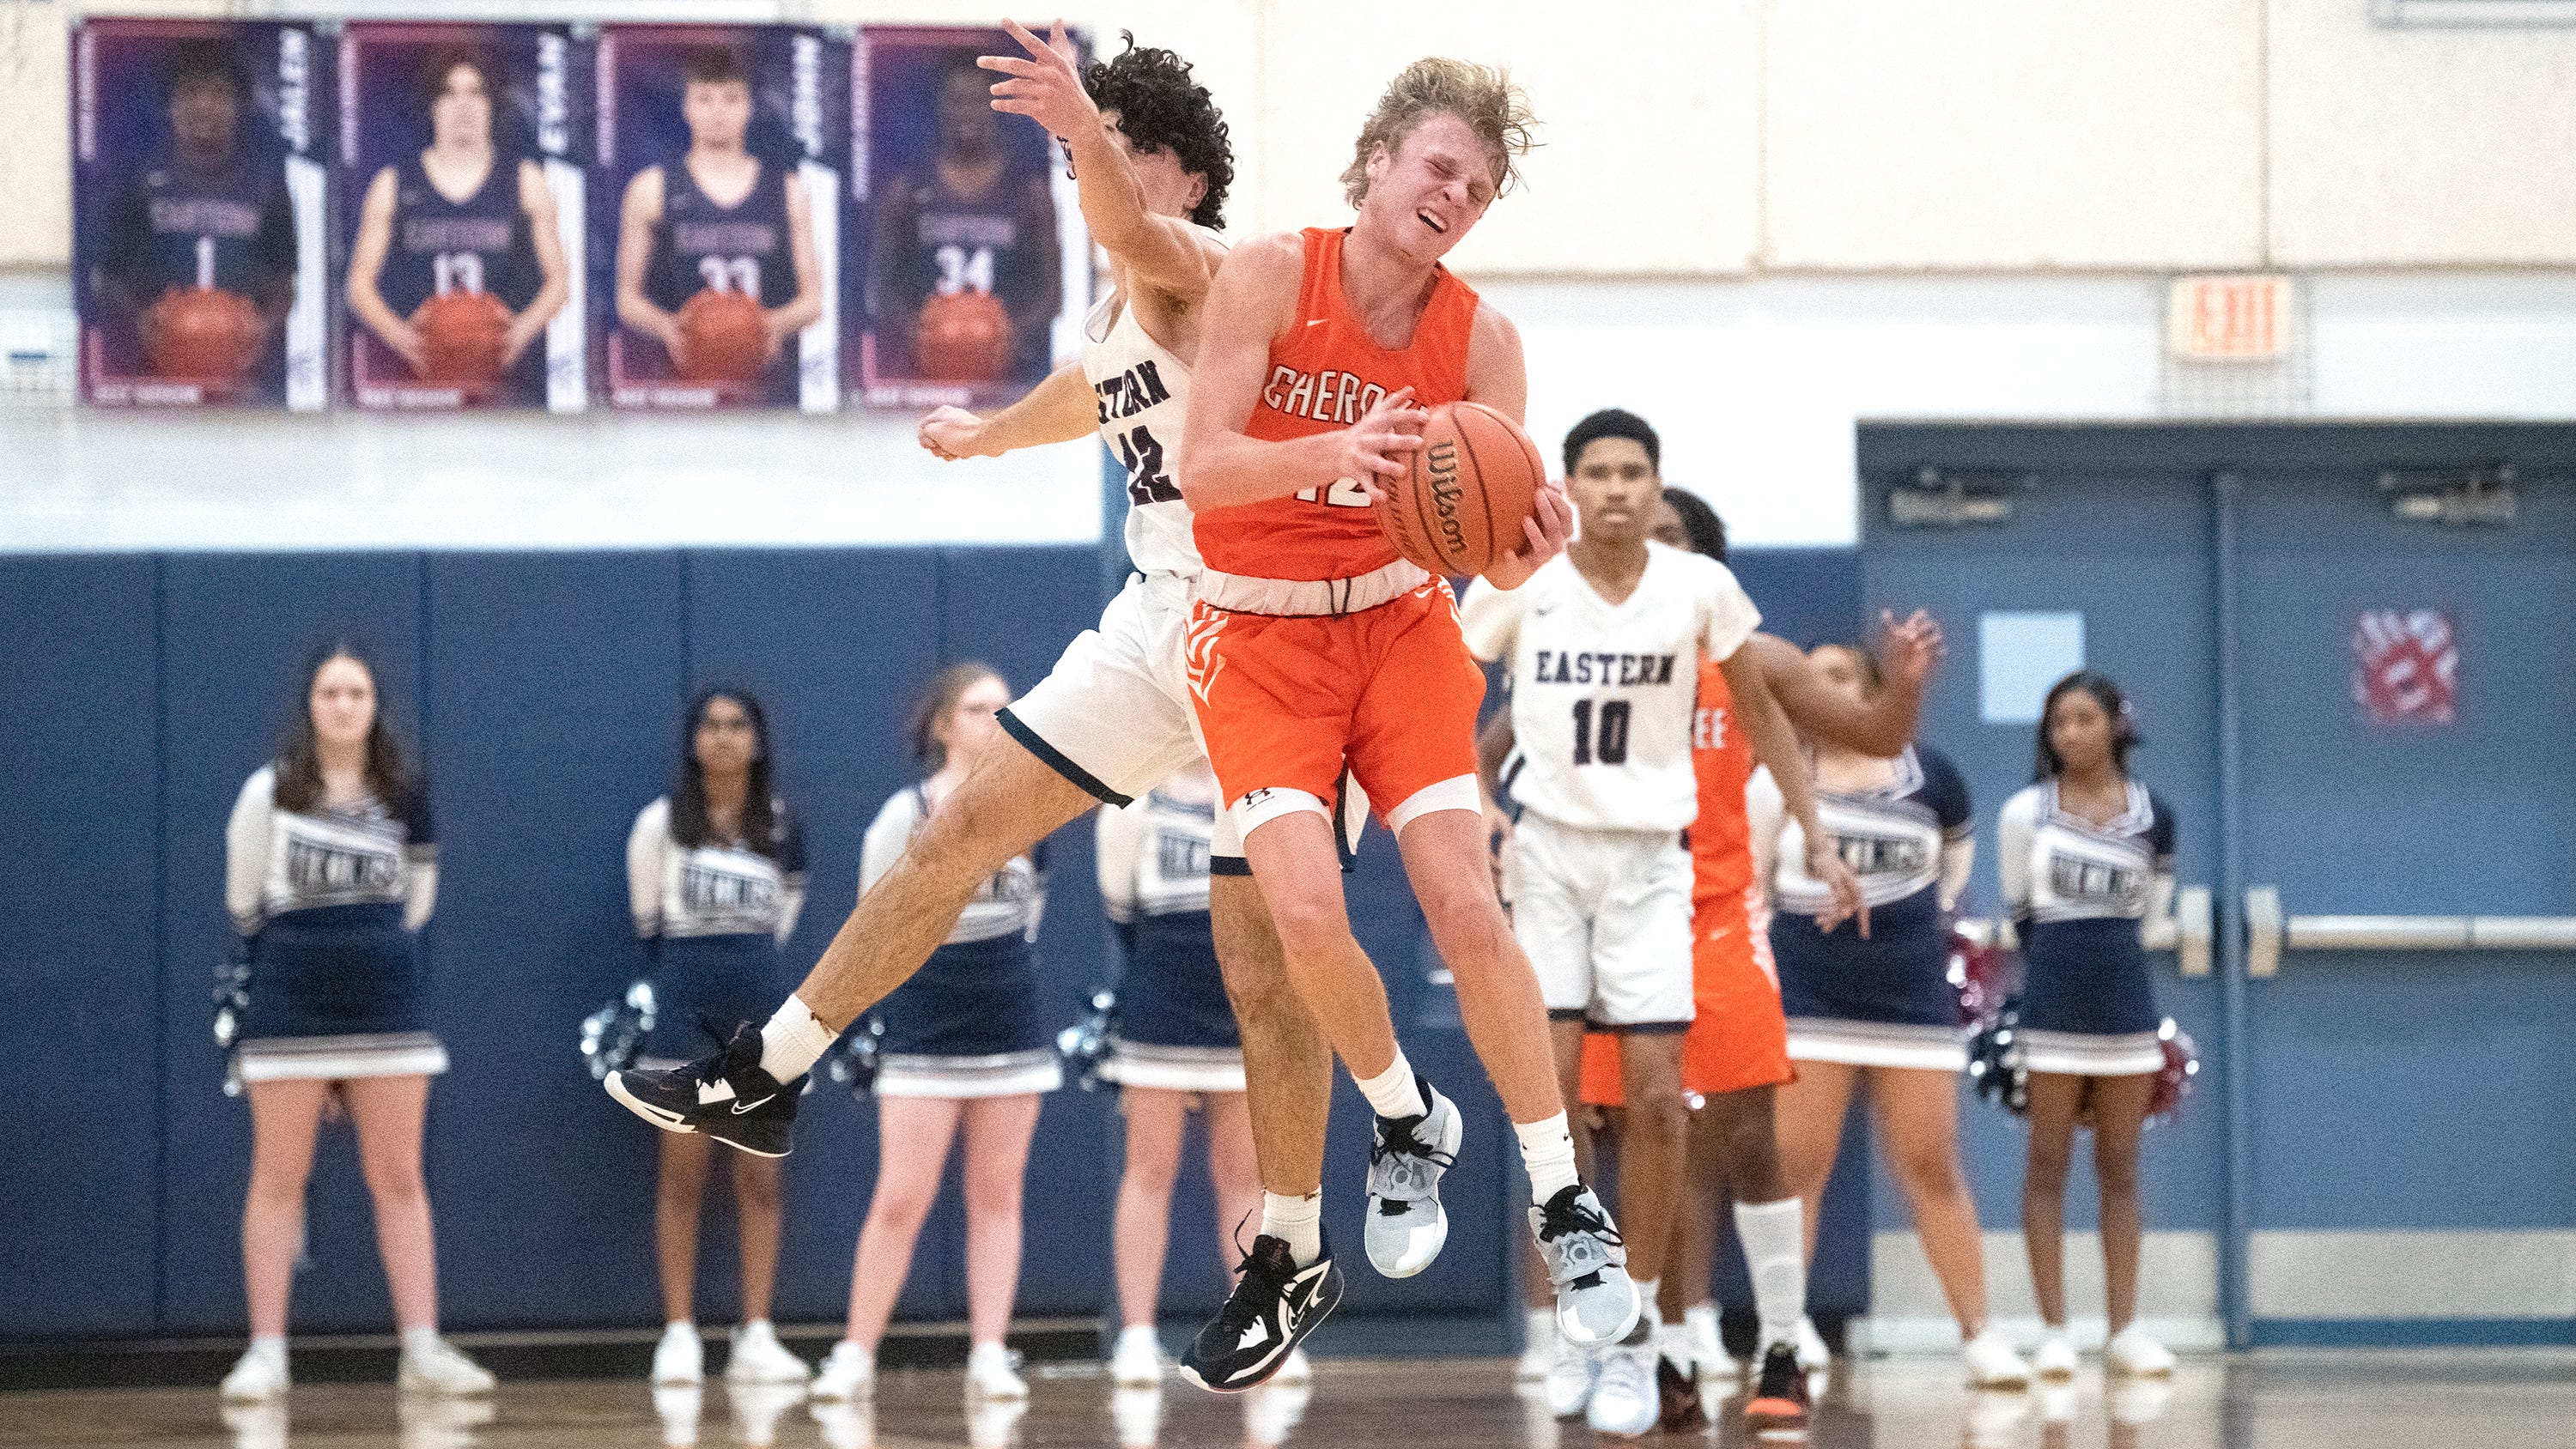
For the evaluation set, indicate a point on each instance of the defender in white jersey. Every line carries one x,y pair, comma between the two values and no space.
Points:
1150,154
1602,650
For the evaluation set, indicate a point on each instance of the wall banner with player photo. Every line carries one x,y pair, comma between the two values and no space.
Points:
201,212
973,270
464,150
715,237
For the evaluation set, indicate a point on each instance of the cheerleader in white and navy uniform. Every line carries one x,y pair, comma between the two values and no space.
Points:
2087,858
964,1054
1878,1011
715,873
1174,1044
330,871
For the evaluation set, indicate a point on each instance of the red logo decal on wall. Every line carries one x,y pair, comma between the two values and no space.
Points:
2406,666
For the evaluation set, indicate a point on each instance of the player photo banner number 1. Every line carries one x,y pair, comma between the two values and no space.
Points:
201,207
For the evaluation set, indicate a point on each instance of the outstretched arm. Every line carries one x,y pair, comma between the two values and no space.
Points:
1880,727
1058,410
1165,253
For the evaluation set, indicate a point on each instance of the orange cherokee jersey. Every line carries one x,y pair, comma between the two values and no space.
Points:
1721,838
1325,372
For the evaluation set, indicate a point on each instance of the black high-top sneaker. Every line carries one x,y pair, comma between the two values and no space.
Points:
725,1095
1275,1304
1780,1399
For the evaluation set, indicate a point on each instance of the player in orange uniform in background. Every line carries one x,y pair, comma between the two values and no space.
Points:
1315,650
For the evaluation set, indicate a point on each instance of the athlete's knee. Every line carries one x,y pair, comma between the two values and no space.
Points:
1467,924
972,833
1926,1168
2044,1171
2115,1169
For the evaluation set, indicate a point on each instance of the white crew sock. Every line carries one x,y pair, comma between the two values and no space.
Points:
1298,1221
1541,1332
1675,1341
417,1342
1395,1092
1547,1150
269,1347
1775,1254
793,1041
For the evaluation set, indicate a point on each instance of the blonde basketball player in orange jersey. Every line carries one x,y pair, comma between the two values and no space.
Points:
1315,649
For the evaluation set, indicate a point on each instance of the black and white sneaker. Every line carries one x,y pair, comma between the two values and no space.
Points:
1275,1304
724,1095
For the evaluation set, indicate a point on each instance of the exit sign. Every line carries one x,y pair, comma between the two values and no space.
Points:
2235,318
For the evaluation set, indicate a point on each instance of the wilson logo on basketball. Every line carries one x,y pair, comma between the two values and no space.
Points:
1446,490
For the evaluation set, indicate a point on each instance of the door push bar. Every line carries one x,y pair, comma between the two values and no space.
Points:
2188,932
2269,930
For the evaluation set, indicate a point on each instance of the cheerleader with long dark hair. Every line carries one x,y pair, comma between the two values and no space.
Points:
330,871
964,1055
2087,855
715,873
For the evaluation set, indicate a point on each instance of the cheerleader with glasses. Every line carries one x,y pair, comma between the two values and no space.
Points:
330,872
1877,1012
715,873
964,1055
2087,856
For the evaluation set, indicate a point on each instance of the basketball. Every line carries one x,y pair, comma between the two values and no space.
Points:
964,337
1472,484
462,336
204,333
728,336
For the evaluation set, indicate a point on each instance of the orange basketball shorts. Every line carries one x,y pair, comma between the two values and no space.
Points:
1285,701
1739,1037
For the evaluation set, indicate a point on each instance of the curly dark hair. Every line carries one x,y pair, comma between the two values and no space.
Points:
1162,108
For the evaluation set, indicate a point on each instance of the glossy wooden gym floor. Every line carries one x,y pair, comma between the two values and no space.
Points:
2454,1400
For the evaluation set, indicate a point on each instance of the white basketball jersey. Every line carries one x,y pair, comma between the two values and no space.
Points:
1143,393
1602,695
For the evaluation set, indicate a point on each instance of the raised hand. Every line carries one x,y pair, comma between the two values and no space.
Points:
1910,651
1046,87
1548,529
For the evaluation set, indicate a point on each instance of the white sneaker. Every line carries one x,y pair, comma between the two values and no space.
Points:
256,1378
1992,1364
1137,1362
679,1360
2056,1358
759,1358
993,1373
1538,1348
442,1369
1626,1401
2133,1353
1813,1355
679,1407
848,1373
1294,1372
1570,1379
1708,1351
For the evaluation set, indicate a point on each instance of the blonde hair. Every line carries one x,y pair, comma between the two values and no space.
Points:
1482,96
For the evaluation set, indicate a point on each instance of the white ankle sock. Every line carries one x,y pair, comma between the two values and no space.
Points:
1547,1150
1394,1092
269,1346
1298,1221
418,1341
793,1041
1775,1255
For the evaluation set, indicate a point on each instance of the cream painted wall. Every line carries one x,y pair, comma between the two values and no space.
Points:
2013,134
1716,137
2419,146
